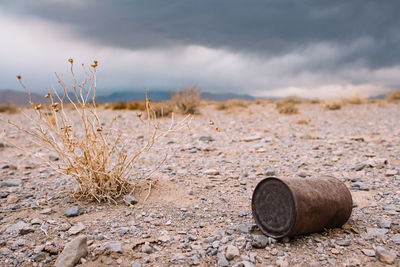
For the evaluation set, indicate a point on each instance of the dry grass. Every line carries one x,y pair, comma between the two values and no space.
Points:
288,105
334,104
356,99
393,96
91,152
9,108
232,104
132,105
187,101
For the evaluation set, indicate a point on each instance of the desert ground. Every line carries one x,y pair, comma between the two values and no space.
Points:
198,209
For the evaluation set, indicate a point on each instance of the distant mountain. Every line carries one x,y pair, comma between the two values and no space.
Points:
21,98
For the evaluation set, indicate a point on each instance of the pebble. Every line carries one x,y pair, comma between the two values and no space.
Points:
391,172
72,252
259,241
221,260
368,252
130,200
211,172
76,229
146,248
114,246
384,255
396,239
20,228
12,182
245,228
73,211
231,252
384,223
46,211
136,264
376,232
206,139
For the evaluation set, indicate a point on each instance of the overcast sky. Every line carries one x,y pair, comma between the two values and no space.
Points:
264,48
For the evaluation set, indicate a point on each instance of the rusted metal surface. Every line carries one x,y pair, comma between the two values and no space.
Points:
293,206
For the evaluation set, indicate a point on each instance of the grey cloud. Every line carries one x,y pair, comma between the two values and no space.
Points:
262,28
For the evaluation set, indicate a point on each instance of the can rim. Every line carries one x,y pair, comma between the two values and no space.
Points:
256,217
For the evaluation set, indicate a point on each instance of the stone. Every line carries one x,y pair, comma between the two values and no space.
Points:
231,252
46,211
72,252
206,139
391,172
130,200
221,260
54,157
360,167
251,138
259,241
282,263
270,172
3,194
76,229
164,238
211,172
136,264
19,227
113,246
368,252
36,221
396,238
12,182
384,255
73,211
343,242
245,228
384,223
146,248
376,232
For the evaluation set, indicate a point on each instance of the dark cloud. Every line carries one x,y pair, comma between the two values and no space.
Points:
264,28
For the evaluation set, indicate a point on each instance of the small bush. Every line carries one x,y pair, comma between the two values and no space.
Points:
231,104
393,96
288,105
9,108
133,105
332,104
356,99
90,151
187,101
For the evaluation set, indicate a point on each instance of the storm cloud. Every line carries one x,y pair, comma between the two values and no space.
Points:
265,48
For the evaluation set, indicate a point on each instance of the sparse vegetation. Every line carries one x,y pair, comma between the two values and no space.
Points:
393,96
332,104
231,104
9,108
356,99
288,105
187,101
133,105
90,151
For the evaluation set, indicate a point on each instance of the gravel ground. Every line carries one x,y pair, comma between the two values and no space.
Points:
198,211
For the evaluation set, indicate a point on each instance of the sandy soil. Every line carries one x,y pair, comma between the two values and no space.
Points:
200,203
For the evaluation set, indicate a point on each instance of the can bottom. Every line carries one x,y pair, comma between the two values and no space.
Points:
273,207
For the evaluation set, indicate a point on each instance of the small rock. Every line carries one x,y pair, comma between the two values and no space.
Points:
146,248
282,263
231,252
19,227
136,264
368,252
73,211
270,172
36,221
12,182
206,139
391,172
164,238
259,241
385,256
130,200
3,194
251,138
46,211
396,239
211,172
344,242
360,167
384,223
73,252
76,229
245,228
222,261
53,157
376,232
113,246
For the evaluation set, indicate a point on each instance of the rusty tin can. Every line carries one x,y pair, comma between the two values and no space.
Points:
293,206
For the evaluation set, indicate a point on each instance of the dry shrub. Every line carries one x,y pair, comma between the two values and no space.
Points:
90,151
332,104
356,99
393,96
304,122
231,104
187,101
122,105
288,105
162,109
9,108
